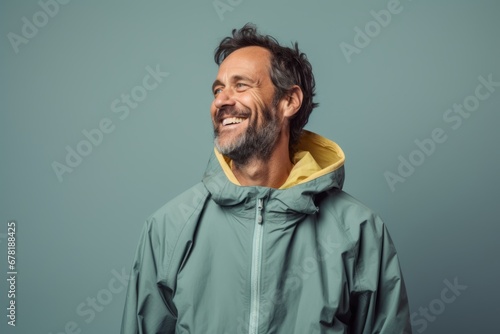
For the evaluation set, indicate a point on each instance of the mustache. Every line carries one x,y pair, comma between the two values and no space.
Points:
223,113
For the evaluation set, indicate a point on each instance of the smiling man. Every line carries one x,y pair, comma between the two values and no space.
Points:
268,242
251,128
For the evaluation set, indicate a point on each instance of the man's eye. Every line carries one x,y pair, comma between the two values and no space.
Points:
217,91
240,85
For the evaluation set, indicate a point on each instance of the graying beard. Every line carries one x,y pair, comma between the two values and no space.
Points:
254,143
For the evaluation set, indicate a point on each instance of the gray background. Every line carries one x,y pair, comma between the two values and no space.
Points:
75,234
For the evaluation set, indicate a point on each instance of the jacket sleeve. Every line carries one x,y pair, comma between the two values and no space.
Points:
379,303
148,306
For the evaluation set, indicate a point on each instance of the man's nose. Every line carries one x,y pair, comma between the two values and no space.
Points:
224,98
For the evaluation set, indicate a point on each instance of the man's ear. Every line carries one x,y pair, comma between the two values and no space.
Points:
292,102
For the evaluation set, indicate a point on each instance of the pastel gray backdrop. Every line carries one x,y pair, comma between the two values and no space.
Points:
77,233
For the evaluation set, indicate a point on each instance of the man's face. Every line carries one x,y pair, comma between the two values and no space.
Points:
246,123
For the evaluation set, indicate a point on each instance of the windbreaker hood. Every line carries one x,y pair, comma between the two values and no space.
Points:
318,167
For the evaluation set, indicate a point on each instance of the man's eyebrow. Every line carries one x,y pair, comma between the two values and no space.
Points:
216,83
241,77
234,78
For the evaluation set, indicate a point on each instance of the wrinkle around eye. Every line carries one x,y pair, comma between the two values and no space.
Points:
241,87
217,91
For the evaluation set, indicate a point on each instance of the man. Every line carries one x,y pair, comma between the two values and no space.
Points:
267,242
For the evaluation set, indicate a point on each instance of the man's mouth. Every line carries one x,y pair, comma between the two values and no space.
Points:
232,120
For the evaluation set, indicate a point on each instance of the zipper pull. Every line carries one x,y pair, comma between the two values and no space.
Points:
259,210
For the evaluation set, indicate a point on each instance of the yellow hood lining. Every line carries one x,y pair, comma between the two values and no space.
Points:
316,156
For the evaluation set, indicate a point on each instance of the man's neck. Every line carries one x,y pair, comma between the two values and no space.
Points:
272,172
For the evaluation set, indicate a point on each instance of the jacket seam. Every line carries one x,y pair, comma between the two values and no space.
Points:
352,250
181,232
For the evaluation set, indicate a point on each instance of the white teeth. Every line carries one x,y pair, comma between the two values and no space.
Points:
232,120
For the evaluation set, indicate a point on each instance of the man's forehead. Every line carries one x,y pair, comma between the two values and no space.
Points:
250,58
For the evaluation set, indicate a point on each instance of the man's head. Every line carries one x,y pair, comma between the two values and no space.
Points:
265,89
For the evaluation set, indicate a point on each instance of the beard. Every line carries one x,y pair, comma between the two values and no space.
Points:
256,142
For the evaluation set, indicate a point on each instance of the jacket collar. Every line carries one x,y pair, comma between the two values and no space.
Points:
304,184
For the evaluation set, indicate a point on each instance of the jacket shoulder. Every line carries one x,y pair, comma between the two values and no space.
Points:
350,214
168,230
170,219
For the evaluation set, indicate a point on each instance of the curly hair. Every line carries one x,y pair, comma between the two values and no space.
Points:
289,67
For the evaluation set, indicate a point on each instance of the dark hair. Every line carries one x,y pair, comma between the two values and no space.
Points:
289,67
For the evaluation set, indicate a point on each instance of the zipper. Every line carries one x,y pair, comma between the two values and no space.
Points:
253,327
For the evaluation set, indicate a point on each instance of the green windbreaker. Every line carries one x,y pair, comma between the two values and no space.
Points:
228,259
